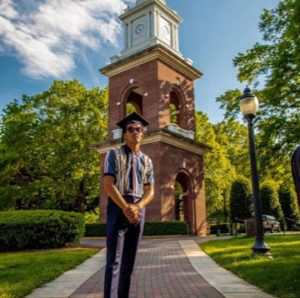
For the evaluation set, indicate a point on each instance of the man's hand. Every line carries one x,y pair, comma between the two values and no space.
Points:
132,213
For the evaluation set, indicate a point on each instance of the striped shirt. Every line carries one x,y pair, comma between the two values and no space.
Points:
134,175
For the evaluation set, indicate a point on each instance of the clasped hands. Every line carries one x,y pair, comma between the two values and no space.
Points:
132,213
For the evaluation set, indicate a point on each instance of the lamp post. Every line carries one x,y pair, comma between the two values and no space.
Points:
249,107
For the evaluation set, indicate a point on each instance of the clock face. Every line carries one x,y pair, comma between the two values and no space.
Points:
139,29
165,30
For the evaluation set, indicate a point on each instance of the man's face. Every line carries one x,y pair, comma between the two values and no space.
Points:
134,133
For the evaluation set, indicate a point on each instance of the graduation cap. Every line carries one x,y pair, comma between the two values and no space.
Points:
132,118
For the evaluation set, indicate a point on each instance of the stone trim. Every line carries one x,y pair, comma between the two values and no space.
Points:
156,52
161,5
164,136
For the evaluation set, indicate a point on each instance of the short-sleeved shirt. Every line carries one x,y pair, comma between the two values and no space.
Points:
136,163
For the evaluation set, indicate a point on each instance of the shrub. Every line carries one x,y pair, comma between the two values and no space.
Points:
240,199
241,228
28,229
92,216
151,228
166,228
288,202
270,201
95,230
224,228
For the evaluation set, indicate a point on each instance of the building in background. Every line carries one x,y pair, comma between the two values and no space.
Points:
151,75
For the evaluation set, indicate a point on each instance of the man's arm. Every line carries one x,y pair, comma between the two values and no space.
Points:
113,192
115,195
146,199
148,188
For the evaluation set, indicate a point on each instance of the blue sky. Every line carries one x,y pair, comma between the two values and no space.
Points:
46,40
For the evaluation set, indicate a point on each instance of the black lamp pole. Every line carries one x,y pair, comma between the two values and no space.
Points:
260,246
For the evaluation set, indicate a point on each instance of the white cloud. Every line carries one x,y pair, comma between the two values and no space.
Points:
7,9
47,39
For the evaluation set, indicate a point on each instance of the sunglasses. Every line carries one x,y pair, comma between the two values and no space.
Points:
132,129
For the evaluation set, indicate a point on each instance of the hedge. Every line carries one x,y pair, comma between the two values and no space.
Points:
95,230
166,228
35,229
151,228
225,228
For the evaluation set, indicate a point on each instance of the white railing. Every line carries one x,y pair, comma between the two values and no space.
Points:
184,132
117,133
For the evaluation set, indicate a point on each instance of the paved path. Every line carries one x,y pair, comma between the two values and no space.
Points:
164,268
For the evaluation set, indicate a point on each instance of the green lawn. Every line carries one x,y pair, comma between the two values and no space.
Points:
22,272
279,276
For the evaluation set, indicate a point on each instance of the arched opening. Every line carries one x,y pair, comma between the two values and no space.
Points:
176,109
179,202
134,101
182,198
130,108
173,114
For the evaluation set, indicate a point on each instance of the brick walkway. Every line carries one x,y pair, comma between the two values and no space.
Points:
162,270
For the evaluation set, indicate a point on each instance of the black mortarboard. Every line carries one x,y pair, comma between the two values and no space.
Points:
132,117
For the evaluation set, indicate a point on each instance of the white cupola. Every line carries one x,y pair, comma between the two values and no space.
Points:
149,23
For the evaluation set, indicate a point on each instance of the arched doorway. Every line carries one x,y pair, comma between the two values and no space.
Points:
184,199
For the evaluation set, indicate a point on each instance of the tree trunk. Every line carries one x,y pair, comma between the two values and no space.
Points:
81,198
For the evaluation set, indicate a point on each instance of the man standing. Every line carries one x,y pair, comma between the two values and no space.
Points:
128,180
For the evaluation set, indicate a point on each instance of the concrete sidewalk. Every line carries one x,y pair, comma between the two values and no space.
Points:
164,268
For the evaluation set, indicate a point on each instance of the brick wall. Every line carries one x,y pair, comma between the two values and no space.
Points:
168,161
158,84
157,80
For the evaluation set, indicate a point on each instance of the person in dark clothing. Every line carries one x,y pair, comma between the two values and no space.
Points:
128,180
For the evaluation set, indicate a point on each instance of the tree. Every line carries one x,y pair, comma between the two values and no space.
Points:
233,136
288,202
46,159
277,60
130,108
241,206
219,173
179,202
173,113
270,200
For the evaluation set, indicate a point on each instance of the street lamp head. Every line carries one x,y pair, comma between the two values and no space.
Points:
248,103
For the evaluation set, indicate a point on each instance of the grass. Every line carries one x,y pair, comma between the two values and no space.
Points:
22,272
279,276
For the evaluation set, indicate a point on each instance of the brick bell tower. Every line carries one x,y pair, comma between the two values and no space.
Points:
152,75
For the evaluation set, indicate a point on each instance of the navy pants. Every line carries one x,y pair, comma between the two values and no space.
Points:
122,241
